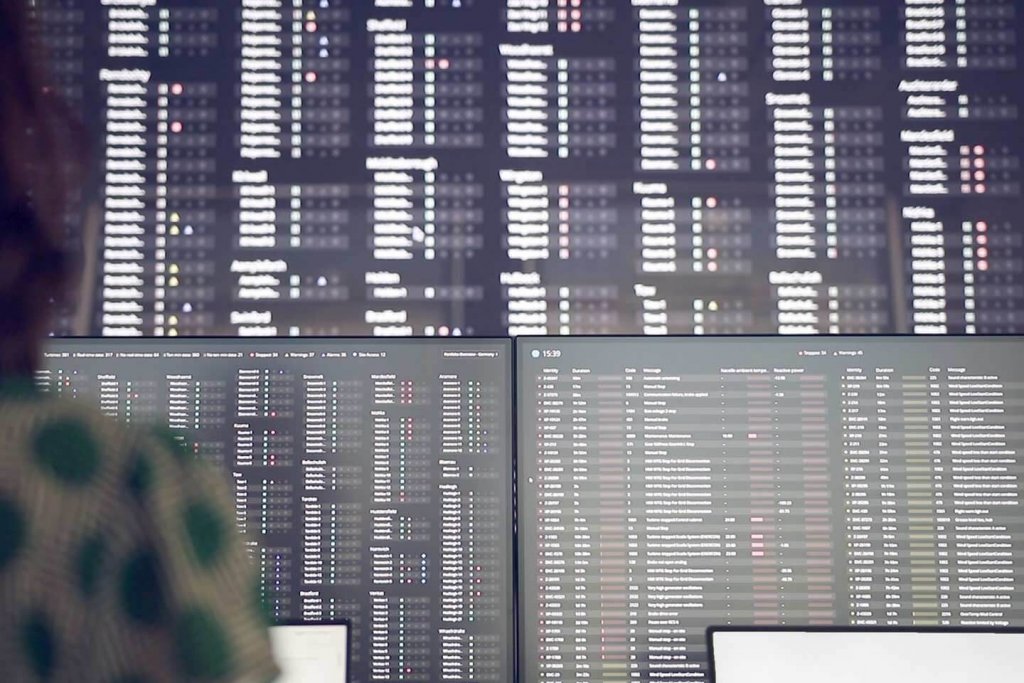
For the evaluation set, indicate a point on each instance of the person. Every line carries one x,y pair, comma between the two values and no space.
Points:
119,558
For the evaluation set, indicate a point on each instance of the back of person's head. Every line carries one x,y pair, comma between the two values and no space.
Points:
39,145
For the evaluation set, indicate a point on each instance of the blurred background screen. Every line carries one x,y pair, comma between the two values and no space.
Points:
443,167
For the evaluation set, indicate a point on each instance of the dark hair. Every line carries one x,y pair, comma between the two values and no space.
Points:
38,166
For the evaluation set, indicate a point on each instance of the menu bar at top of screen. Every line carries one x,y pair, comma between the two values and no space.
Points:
462,167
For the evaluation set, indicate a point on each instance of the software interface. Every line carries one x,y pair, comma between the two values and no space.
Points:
371,478
669,485
443,167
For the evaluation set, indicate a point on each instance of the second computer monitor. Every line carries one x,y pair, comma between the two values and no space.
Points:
666,485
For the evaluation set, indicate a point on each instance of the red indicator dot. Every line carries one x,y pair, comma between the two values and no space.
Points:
982,226
176,127
711,164
712,253
311,26
310,77
979,150
982,239
712,202
444,63
982,265
983,252
177,89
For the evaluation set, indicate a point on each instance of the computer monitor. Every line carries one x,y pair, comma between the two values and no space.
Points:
845,655
667,485
311,653
311,167
372,479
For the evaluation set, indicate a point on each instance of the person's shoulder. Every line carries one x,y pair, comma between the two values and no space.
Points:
77,440
42,411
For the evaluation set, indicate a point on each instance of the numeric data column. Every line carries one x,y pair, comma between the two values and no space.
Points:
556,605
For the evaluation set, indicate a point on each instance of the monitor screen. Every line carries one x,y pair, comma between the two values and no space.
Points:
443,167
848,656
372,479
311,653
668,485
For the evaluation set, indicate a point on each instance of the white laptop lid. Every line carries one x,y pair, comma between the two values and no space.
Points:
311,653
866,656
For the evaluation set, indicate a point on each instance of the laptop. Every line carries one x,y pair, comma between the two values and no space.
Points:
864,655
312,653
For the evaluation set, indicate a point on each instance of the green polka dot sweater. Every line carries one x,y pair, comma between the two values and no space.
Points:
119,561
